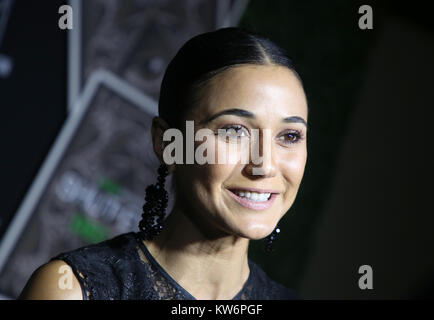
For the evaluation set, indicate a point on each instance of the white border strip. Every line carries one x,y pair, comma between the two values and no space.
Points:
98,78
74,55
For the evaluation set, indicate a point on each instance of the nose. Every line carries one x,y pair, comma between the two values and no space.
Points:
262,161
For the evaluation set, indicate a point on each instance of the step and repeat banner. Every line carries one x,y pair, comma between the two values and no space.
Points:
91,185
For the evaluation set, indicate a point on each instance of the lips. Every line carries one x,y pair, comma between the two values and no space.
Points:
253,196
254,199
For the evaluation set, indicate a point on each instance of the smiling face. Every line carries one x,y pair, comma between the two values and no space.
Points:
233,198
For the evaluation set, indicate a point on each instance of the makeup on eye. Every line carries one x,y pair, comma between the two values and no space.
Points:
233,130
288,136
291,136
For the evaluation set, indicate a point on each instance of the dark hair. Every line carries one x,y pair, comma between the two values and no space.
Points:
207,55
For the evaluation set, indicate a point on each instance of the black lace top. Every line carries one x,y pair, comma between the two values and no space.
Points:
123,268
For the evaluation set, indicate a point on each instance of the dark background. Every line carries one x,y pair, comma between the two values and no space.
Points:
365,197
32,98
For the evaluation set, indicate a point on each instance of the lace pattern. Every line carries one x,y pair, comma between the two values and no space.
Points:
123,269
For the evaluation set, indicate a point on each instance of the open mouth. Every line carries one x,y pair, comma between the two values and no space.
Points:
254,200
253,196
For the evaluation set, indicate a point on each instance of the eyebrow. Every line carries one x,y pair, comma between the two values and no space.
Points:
295,119
232,112
249,115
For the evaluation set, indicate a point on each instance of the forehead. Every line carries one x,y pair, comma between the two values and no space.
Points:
263,90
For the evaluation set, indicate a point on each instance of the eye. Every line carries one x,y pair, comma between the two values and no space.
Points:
291,136
233,131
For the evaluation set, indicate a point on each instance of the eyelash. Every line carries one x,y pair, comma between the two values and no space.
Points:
296,133
298,136
235,127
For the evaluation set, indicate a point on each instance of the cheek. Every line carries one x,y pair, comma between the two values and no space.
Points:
205,185
231,153
213,176
219,166
293,167
205,179
226,159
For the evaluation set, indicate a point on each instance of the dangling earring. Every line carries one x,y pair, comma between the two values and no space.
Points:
269,240
154,209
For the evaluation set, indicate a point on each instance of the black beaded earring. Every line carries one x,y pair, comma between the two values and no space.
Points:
154,209
269,240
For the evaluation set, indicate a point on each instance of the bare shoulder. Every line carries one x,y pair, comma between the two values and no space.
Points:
54,280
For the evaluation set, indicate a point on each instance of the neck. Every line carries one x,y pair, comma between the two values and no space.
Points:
208,268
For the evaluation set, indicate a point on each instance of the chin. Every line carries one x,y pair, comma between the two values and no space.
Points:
257,231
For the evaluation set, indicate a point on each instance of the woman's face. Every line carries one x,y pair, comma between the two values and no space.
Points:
240,197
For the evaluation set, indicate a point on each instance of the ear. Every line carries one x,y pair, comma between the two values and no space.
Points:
159,126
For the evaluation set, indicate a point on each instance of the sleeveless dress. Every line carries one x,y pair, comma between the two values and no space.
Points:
122,268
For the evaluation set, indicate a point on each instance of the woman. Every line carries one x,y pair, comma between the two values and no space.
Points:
227,83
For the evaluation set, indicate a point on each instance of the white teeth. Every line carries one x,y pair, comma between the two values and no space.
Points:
254,196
